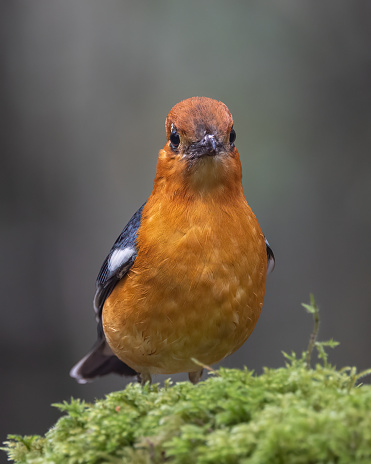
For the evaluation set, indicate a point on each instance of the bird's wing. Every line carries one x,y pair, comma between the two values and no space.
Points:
100,360
118,262
270,258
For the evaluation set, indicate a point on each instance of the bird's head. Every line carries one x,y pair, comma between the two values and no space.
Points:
200,149
199,127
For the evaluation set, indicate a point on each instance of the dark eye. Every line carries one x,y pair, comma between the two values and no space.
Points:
174,139
232,136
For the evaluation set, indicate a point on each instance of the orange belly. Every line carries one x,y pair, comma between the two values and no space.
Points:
195,291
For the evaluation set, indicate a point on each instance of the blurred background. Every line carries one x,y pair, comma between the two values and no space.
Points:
85,88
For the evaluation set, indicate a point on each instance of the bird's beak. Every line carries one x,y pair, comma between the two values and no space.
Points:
209,146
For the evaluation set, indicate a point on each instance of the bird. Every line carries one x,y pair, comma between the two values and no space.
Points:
184,283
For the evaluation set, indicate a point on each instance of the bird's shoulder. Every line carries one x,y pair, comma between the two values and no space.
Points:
118,261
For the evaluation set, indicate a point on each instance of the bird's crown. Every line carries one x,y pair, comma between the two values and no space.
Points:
195,117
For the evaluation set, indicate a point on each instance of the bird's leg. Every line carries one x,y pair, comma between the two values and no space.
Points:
143,378
195,377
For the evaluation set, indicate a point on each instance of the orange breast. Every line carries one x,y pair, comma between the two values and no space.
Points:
196,288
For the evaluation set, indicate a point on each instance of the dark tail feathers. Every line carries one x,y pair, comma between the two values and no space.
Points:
98,362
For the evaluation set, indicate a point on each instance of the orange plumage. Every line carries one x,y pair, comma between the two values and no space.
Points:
197,284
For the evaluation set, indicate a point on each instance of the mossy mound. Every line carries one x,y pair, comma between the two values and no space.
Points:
287,415
291,415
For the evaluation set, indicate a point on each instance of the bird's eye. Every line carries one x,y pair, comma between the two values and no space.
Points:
232,136
174,139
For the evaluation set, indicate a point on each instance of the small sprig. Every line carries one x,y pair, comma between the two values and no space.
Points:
313,309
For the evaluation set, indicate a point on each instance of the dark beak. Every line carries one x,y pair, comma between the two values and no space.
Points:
209,145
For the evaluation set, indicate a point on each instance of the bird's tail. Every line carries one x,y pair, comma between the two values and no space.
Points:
98,362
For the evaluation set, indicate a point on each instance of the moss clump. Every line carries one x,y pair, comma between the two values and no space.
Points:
288,415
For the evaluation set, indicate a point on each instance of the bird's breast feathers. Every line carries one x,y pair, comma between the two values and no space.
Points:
196,288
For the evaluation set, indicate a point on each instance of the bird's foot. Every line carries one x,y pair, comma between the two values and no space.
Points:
144,378
195,377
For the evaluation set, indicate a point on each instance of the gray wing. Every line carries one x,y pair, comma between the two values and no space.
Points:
118,262
270,257
100,360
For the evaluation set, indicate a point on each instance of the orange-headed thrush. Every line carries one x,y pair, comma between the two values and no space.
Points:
186,278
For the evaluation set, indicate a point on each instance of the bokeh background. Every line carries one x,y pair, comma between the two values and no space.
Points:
85,89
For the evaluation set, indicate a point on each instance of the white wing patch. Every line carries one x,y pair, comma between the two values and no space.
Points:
119,257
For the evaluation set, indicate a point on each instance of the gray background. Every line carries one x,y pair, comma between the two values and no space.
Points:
85,89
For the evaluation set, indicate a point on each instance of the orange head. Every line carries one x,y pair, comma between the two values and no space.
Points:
199,156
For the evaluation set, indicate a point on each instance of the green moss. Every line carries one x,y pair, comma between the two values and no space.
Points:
293,414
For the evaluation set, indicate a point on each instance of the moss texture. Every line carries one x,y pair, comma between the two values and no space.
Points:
293,414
